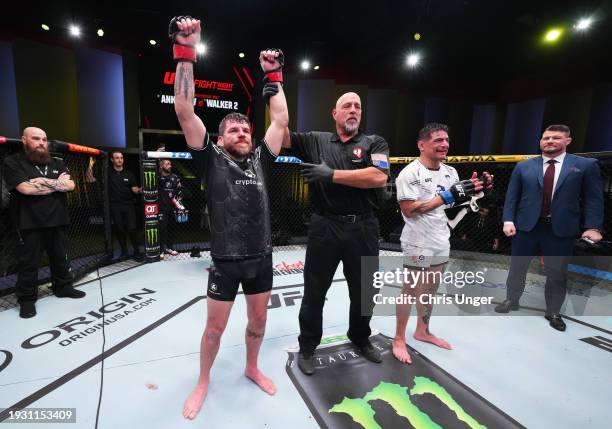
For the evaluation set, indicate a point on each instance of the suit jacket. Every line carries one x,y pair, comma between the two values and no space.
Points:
577,200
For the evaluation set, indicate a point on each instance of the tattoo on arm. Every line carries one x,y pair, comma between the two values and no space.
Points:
183,82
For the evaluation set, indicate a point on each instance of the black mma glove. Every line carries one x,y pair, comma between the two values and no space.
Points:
270,89
317,172
180,51
460,192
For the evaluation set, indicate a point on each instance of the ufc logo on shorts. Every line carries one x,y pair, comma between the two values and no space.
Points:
150,209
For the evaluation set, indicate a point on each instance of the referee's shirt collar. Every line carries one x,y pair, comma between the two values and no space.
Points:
355,139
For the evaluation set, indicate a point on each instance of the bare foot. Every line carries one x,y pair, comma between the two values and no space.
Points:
264,383
429,338
400,351
194,401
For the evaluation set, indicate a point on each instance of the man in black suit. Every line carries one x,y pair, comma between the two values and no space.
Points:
551,200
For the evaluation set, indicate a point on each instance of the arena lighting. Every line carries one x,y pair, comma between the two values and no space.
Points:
316,67
305,65
75,31
45,27
553,35
241,54
417,36
413,60
583,24
152,42
201,48
100,32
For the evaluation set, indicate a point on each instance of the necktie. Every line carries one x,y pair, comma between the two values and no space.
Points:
549,180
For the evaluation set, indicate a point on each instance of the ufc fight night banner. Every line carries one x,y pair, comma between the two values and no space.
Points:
151,210
221,87
347,391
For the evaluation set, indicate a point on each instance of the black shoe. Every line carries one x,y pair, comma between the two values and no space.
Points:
507,306
27,309
555,321
69,292
306,363
371,353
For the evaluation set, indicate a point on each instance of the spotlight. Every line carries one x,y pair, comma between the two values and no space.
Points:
100,32
152,42
316,67
583,24
553,35
305,65
75,31
413,60
201,48
417,36
45,27
241,54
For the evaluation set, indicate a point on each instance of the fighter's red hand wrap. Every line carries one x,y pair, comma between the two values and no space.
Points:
184,52
276,76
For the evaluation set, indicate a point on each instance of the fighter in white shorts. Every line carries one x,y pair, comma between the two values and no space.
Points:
425,188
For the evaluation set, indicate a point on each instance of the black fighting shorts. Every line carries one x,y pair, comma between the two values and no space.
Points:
255,274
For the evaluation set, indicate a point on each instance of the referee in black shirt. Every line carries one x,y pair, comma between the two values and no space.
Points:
342,169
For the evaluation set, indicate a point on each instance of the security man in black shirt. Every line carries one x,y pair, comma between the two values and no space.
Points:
235,176
170,195
38,185
122,190
343,170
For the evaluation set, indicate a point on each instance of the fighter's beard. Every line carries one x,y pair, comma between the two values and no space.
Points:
238,152
38,157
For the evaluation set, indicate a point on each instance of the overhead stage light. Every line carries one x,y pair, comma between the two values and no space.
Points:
553,35
45,27
316,67
413,60
100,32
241,54
583,24
201,48
75,31
305,65
152,42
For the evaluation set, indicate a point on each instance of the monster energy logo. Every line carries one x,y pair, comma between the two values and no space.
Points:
152,236
398,398
149,179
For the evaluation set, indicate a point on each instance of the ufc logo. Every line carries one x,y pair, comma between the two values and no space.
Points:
150,209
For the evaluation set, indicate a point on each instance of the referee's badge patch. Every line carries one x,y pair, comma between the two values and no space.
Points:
380,160
358,152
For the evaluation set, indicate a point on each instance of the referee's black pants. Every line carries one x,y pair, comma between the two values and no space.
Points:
329,242
31,245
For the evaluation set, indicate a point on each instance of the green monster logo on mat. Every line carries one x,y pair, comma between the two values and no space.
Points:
149,178
151,236
398,398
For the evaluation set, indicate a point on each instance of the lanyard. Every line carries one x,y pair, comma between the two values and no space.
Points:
41,172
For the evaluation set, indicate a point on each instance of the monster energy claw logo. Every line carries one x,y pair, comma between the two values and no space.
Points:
152,236
149,179
398,398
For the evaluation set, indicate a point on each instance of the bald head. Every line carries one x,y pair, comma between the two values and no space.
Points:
346,97
29,131
347,115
